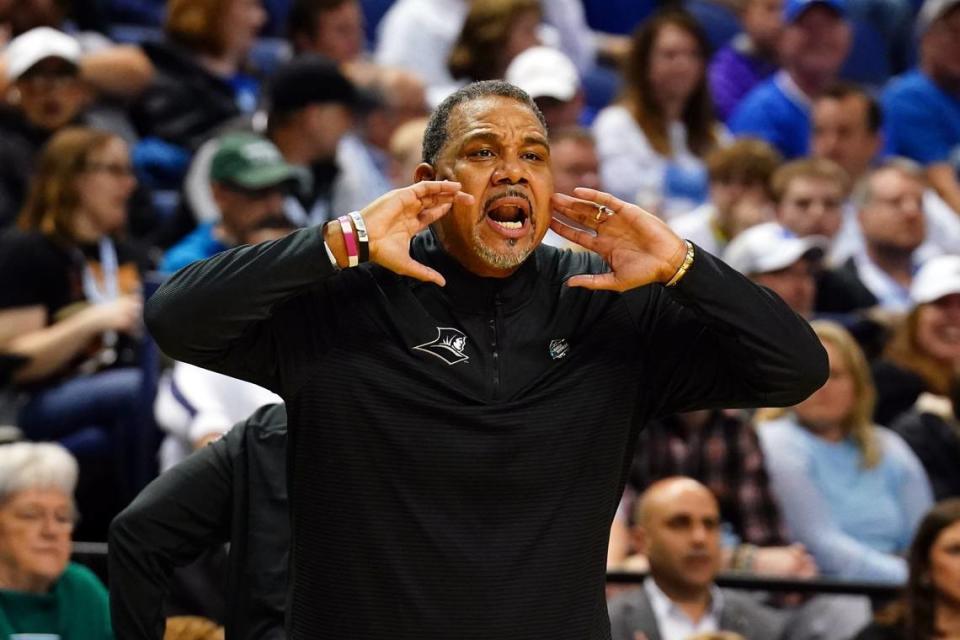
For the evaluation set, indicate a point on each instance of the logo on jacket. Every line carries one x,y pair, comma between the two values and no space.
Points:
559,348
448,346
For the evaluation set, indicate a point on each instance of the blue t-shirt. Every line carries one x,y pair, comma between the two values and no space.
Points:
770,114
922,120
200,244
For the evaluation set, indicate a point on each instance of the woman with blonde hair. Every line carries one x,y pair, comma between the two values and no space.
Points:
652,142
494,33
851,492
70,301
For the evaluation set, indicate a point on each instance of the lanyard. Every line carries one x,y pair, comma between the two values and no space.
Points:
109,265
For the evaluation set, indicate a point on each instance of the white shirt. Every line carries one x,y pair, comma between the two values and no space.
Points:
673,622
891,295
697,227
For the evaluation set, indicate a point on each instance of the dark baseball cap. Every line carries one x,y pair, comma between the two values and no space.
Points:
310,79
793,9
250,162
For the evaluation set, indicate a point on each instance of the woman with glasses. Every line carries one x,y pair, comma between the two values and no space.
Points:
70,299
43,594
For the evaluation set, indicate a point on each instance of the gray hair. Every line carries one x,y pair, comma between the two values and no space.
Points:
863,190
435,137
36,465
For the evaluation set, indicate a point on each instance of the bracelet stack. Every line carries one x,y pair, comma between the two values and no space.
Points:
355,240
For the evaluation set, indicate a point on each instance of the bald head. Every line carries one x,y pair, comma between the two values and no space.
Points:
667,492
678,529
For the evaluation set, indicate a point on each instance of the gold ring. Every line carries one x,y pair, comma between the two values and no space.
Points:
602,213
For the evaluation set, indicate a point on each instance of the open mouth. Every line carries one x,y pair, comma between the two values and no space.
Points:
509,215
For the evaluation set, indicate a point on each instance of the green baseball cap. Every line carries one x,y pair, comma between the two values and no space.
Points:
251,162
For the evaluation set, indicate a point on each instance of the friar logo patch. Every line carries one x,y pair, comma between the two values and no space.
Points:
448,346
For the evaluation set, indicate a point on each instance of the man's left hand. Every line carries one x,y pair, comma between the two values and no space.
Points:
639,247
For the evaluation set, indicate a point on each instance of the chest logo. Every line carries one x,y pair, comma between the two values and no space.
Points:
448,346
559,348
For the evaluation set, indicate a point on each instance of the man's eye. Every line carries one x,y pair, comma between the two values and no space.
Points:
536,157
482,153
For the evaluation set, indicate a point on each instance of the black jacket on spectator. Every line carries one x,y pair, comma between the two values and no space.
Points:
877,631
841,291
19,144
233,490
897,391
936,441
185,102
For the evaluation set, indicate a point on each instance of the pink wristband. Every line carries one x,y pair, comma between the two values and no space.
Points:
350,241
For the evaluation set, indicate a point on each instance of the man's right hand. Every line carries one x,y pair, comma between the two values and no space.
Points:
394,218
792,561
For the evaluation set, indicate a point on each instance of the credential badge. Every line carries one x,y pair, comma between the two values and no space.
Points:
448,346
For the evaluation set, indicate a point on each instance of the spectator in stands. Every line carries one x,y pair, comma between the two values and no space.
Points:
116,71
332,28
930,608
678,529
809,195
922,107
46,94
311,110
889,204
932,429
70,300
551,79
249,178
719,449
750,58
200,81
740,195
653,140
493,34
406,151
573,156
192,628
846,128
814,44
851,493
924,351
42,593
787,264
233,490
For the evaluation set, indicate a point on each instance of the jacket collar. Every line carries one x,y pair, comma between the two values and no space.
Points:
471,292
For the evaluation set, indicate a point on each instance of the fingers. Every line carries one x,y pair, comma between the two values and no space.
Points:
586,213
420,271
431,214
601,197
434,187
582,238
595,281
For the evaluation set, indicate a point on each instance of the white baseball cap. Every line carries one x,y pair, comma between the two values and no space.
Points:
938,277
38,44
770,247
544,72
931,11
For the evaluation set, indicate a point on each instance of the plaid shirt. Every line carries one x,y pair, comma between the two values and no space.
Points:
725,455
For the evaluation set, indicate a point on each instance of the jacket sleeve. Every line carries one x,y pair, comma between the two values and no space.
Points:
718,340
246,310
177,517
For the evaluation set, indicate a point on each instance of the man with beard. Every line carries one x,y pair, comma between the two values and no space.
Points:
463,403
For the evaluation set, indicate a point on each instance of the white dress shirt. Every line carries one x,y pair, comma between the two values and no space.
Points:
673,623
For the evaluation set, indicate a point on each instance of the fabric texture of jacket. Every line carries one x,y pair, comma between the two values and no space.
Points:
457,453
233,490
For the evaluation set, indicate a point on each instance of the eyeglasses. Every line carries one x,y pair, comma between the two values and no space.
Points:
116,169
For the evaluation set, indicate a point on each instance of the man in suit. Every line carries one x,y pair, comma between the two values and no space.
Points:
678,529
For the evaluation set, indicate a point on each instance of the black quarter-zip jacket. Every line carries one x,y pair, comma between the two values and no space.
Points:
456,454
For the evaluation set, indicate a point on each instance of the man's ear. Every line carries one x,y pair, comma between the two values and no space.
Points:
423,172
638,537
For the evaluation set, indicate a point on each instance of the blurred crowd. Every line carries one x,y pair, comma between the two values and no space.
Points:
814,145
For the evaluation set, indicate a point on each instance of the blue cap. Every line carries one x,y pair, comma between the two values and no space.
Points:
793,9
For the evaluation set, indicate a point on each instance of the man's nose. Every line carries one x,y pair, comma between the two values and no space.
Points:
510,171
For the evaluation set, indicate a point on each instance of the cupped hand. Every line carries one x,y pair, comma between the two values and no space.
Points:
395,217
123,314
639,247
